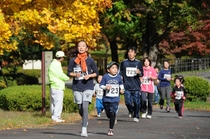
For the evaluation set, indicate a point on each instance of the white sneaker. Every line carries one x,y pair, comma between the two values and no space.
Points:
84,132
99,115
130,115
149,116
59,121
103,111
143,115
136,120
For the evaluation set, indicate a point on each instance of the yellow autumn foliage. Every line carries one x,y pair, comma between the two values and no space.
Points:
71,20
5,34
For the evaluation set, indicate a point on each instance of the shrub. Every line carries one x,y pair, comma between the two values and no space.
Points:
197,88
29,98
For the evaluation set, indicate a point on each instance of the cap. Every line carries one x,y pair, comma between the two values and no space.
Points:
111,64
60,54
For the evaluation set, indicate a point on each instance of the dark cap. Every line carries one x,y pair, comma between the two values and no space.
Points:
109,65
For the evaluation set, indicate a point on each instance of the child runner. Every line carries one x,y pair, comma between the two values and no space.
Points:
99,95
83,69
165,86
113,86
156,92
179,95
147,88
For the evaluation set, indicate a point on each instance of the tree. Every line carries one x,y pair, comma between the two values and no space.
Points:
43,23
154,19
6,44
119,22
193,41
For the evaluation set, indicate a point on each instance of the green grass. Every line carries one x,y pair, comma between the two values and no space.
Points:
14,120
197,105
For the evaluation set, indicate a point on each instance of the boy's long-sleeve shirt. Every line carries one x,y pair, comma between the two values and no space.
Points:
112,95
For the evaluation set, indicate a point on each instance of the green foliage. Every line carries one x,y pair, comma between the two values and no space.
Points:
197,88
29,98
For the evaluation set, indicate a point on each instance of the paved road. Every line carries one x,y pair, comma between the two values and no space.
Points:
194,125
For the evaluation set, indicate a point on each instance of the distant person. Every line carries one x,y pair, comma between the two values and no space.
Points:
147,88
130,70
156,92
165,76
99,92
83,70
113,86
57,80
179,96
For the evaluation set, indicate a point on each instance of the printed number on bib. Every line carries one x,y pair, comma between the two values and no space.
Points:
167,76
179,94
99,92
131,71
146,80
79,70
114,90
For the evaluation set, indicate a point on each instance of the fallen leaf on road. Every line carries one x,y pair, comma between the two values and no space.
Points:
197,128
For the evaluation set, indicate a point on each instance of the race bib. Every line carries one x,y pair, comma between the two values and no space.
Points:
167,76
99,92
78,69
131,71
179,95
114,90
146,80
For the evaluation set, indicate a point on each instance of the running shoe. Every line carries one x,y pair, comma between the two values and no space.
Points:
130,115
84,132
59,120
99,115
136,120
149,116
168,109
110,132
180,117
143,115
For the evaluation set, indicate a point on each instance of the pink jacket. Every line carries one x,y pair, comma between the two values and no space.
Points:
147,84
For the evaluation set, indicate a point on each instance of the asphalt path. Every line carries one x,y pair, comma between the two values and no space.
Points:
194,125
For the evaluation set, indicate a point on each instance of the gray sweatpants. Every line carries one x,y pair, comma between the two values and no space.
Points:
165,92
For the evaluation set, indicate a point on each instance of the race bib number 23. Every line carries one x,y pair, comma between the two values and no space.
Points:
114,90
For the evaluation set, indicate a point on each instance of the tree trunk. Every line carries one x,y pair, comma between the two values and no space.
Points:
150,49
114,48
153,54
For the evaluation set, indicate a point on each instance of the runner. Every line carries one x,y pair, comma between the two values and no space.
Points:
130,70
83,69
147,88
165,86
113,85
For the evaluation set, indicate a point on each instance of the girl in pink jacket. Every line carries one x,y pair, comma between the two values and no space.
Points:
147,88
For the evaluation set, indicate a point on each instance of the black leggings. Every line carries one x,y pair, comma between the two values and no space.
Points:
111,109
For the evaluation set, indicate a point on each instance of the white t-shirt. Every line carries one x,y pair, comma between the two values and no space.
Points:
99,92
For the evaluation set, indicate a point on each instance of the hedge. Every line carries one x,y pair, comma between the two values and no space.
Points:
29,98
